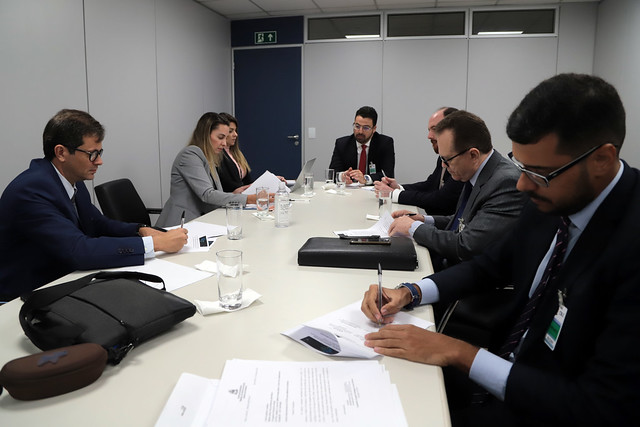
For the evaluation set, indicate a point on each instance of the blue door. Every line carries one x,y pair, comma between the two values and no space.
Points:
268,106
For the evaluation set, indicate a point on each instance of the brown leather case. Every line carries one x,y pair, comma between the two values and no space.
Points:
53,372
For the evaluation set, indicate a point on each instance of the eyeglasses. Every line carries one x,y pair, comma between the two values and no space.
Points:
446,161
356,126
93,155
542,180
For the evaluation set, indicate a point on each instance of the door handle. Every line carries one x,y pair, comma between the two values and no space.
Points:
296,139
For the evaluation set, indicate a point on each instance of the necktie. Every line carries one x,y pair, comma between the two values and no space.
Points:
73,200
464,198
362,165
550,273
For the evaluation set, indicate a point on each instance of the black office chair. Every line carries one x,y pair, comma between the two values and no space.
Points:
119,200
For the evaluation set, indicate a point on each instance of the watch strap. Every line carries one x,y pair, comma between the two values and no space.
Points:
415,296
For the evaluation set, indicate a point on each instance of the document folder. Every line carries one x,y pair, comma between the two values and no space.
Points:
335,252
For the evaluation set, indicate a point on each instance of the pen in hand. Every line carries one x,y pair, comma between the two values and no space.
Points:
379,293
182,220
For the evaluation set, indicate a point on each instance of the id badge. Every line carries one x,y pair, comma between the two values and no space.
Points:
551,337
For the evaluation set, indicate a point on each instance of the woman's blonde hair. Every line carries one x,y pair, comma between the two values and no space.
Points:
201,137
235,149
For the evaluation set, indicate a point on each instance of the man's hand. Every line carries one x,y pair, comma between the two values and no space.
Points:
390,182
355,175
171,241
400,226
381,186
419,345
392,299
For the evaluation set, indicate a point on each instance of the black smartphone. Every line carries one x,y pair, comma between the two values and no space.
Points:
370,241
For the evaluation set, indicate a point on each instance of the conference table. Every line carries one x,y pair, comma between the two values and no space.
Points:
134,392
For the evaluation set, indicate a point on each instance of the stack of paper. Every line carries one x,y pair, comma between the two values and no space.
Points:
265,393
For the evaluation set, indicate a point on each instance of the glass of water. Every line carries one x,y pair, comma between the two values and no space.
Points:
262,201
308,184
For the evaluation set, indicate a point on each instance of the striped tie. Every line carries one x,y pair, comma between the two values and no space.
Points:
550,273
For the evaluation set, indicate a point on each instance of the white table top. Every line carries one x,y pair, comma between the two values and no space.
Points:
134,392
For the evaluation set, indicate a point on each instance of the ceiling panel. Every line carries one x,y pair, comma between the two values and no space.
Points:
248,9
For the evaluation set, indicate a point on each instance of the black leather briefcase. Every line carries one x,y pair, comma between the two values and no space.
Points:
335,252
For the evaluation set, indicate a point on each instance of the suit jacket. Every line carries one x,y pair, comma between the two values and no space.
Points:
43,238
592,378
194,189
492,208
429,196
229,175
381,153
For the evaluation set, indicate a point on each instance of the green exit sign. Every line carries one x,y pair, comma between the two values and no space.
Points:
265,37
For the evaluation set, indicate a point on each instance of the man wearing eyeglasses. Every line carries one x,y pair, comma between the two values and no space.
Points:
488,205
48,226
567,353
366,155
439,193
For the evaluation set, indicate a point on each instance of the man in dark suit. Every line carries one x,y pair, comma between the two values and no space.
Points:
438,194
365,156
488,206
567,353
48,226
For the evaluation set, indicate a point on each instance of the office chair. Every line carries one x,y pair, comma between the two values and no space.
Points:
119,200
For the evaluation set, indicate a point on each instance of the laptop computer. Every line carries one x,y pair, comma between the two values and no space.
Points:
299,182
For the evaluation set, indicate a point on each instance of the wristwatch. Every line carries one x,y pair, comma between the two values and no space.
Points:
415,296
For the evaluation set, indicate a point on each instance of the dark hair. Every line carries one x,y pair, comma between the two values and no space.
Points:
67,128
368,113
447,110
469,131
584,111
201,136
228,117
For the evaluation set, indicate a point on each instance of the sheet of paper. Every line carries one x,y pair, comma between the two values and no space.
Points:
190,402
267,179
268,393
380,228
341,332
201,235
174,275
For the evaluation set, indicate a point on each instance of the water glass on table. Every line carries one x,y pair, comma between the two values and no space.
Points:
262,201
329,176
229,263
384,201
234,220
308,184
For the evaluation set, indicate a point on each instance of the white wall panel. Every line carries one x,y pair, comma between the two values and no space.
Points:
194,74
121,69
41,71
419,77
501,72
339,78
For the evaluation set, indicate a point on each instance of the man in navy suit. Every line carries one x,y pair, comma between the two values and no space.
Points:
48,226
566,352
438,194
379,157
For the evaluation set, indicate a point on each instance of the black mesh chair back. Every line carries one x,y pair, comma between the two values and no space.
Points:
119,200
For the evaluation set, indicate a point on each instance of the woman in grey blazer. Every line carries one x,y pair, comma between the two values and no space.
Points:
195,185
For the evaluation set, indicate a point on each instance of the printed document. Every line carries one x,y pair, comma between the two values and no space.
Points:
336,393
341,332
267,179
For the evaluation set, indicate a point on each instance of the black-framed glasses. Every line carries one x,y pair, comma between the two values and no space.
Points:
446,161
543,180
365,128
93,155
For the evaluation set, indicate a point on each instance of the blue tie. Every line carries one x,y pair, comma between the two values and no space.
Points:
464,198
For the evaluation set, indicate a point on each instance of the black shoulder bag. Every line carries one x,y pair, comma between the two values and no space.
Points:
113,309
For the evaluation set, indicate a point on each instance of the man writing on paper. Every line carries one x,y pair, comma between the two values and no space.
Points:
567,354
438,195
488,205
366,155
48,226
